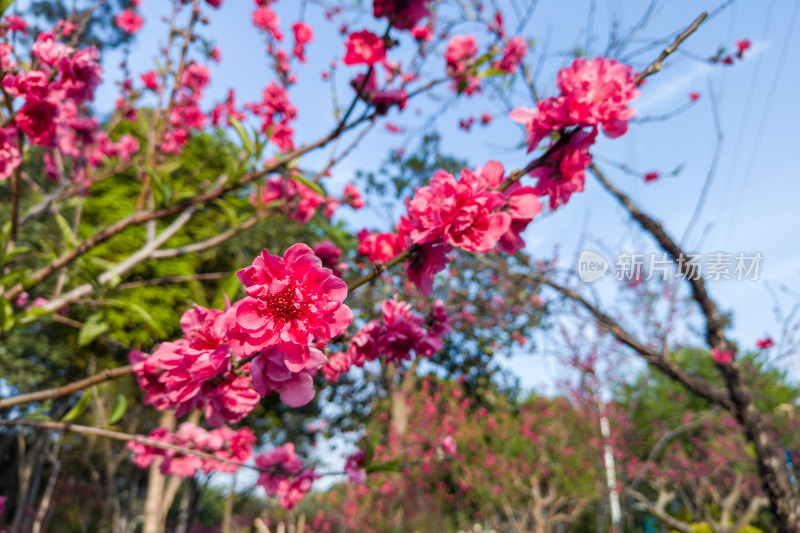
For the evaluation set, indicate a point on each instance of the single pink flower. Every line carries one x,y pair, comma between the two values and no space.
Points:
449,445
651,176
741,46
598,92
129,21
765,343
354,467
289,301
302,36
364,47
352,197
720,357
694,97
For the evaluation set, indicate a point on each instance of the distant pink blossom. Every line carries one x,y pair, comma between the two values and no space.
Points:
720,357
651,176
354,467
264,18
129,21
449,445
10,157
352,197
150,80
302,36
422,33
283,475
741,46
765,343
513,54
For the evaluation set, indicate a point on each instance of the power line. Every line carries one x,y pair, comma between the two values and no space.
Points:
750,94
767,107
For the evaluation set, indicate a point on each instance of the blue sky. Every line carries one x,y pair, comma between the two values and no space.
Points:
751,202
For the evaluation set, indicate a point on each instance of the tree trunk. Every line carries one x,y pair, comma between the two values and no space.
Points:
154,521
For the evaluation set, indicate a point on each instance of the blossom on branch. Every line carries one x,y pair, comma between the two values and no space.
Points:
290,300
364,47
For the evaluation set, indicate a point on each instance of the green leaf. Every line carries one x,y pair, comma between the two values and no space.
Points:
80,407
229,286
18,250
4,5
139,310
159,187
310,184
66,231
93,328
489,72
248,146
6,315
390,466
120,406
369,452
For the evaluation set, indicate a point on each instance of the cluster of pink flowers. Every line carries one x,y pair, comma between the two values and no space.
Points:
277,112
403,14
513,54
194,372
460,57
292,302
472,213
398,333
284,475
593,94
223,443
59,81
299,202
186,115
303,35
265,19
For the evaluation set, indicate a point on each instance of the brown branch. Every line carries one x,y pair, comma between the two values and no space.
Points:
655,357
715,335
57,392
657,509
658,63
118,435
167,280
